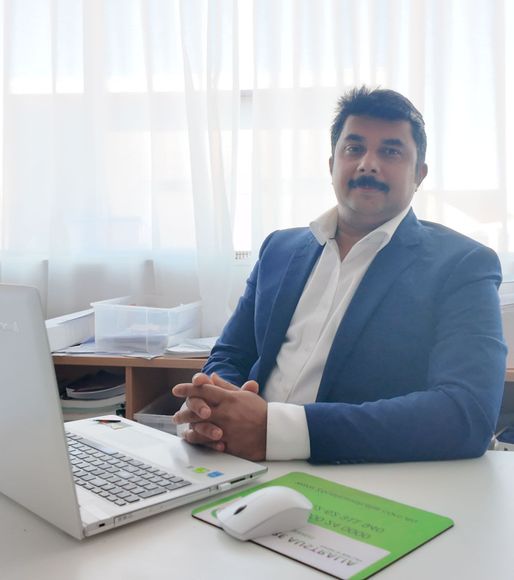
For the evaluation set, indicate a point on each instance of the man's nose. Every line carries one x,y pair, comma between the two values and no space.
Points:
368,163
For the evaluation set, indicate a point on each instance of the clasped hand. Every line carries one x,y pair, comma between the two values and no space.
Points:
223,416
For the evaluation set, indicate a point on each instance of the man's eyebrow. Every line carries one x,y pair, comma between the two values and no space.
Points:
395,142
354,137
360,139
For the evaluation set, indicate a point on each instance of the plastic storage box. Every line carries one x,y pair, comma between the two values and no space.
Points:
65,331
147,324
158,414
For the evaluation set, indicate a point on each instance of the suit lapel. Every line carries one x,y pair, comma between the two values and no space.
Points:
388,264
287,298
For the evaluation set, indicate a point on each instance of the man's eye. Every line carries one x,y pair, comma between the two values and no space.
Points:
352,149
392,152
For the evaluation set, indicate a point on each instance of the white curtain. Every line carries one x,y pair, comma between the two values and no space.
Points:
148,146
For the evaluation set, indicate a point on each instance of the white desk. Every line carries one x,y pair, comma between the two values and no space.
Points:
477,494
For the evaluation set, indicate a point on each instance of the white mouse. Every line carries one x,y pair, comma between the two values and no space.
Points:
265,511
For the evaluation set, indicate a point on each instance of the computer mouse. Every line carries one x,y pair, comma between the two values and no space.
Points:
268,510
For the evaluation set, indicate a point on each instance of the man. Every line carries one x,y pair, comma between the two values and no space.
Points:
371,336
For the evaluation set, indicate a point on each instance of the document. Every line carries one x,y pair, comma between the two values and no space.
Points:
351,534
89,348
193,347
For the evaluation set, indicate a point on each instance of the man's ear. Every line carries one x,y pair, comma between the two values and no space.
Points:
422,173
331,163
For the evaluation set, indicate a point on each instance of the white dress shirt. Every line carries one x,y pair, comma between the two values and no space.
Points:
295,379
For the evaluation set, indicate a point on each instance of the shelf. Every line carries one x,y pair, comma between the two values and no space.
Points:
145,379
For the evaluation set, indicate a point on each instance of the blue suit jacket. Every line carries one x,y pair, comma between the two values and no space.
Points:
417,366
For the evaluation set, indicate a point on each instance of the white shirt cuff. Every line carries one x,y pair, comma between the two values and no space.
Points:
288,434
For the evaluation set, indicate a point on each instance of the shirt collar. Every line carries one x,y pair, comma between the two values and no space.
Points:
325,226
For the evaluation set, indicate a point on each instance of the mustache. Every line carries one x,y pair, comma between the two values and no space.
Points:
368,181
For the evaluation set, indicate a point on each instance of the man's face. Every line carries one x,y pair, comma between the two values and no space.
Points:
374,171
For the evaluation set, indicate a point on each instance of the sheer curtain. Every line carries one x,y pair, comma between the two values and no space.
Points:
453,58
148,146
120,150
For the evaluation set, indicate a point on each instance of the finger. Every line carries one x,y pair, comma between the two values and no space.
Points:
179,388
211,394
193,410
219,382
199,407
184,416
252,386
197,380
216,445
200,379
196,439
208,431
182,389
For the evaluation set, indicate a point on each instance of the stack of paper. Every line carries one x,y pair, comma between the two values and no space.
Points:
193,347
102,393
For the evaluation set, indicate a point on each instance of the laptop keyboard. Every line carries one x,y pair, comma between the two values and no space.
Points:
114,476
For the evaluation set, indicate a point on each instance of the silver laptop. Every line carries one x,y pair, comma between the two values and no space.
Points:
92,475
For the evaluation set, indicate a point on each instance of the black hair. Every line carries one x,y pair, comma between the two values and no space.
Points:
380,104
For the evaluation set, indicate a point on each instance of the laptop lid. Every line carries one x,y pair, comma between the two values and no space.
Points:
36,471
35,468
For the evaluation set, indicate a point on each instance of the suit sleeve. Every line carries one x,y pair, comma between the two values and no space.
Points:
455,415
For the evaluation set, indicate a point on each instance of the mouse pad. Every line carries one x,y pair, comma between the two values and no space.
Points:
350,534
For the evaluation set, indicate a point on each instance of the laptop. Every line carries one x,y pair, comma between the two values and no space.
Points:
91,475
